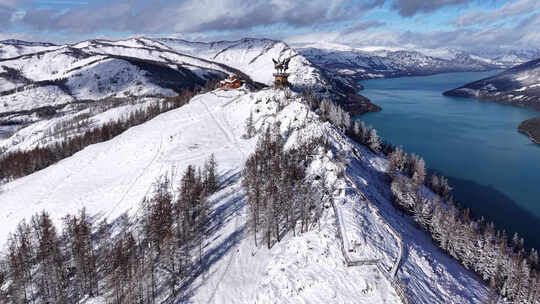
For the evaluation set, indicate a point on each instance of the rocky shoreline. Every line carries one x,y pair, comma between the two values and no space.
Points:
530,101
531,128
357,104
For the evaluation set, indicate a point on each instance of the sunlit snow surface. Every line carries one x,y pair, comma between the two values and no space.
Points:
113,177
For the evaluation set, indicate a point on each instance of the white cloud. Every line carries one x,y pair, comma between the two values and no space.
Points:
408,8
9,3
195,15
17,15
510,9
524,35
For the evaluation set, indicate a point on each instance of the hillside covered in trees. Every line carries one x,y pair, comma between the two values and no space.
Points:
294,189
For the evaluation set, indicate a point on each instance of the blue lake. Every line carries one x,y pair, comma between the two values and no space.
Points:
494,169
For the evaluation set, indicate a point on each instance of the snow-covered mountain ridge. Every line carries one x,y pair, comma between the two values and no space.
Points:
41,74
67,75
519,86
376,62
253,57
13,48
113,177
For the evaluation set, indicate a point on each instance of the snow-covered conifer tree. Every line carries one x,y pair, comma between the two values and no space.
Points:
374,142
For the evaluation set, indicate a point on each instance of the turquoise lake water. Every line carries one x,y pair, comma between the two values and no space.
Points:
495,170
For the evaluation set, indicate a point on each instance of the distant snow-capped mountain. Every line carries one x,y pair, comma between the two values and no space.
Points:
519,86
20,43
13,48
511,58
96,70
378,63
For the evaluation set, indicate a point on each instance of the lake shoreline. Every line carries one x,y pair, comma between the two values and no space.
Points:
473,141
531,128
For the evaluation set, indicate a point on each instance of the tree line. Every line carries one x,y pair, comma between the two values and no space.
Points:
510,272
21,163
505,266
340,118
144,259
281,196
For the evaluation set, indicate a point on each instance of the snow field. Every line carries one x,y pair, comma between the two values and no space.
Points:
47,132
110,178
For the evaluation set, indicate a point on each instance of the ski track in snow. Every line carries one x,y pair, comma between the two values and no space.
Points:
143,171
232,140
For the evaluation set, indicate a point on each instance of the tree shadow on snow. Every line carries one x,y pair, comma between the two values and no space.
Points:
230,204
210,257
229,178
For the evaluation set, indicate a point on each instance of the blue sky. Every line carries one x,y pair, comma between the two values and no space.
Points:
467,24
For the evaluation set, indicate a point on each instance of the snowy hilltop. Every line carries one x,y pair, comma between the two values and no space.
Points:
253,57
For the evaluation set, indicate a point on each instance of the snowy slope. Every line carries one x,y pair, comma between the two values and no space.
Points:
67,74
253,57
14,48
519,86
94,79
112,177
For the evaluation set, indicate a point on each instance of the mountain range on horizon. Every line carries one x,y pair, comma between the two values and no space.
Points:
488,58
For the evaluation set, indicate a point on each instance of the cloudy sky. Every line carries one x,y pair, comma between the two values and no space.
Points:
468,24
